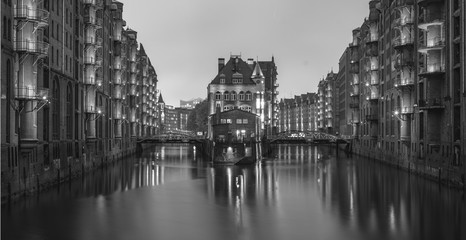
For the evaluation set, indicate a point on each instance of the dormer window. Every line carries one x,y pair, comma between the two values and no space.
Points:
237,78
222,78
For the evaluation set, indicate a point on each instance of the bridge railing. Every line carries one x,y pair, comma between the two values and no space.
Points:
308,136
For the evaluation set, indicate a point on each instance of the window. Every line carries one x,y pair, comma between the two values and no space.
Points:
233,96
9,29
226,96
4,27
245,121
55,109
223,121
229,121
217,96
222,79
248,96
241,96
69,111
239,121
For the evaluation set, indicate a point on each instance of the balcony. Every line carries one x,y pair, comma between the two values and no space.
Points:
92,109
354,67
432,69
89,61
431,104
89,81
32,47
427,2
401,42
88,19
117,115
132,90
403,62
354,45
133,67
37,15
99,42
89,41
372,37
405,110
373,77
404,82
426,20
354,105
374,96
372,117
433,43
31,93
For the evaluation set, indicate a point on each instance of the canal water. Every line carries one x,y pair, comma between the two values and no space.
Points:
306,192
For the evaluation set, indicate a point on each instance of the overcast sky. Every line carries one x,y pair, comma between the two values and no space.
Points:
184,39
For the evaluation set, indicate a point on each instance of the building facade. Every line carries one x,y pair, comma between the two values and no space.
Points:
243,85
406,71
190,104
298,113
77,90
327,115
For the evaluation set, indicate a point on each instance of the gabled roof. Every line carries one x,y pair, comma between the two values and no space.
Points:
160,99
233,110
257,73
236,66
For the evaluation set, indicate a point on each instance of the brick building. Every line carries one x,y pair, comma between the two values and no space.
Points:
77,90
298,113
244,85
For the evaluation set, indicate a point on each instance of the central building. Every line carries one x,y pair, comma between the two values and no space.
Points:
243,85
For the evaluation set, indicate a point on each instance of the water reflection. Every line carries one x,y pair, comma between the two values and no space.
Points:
307,192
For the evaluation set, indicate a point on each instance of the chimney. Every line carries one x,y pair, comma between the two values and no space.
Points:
221,64
251,62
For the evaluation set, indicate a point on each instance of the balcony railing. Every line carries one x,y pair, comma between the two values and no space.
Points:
32,93
372,37
32,14
89,61
88,19
404,82
431,69
406,110
89,80
90,109
354,105
89,40
431,103
373,96
433,43
428,19
403,41
372,117
33,47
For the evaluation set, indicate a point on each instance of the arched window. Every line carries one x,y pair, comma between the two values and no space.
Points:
8,99
55,109
241,96
233,96
218,96
4,23
248,96
99,120
226,96
69,111
9,29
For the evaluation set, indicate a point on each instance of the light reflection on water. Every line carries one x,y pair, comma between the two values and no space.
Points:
305,193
